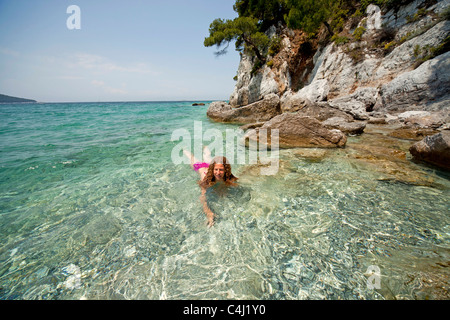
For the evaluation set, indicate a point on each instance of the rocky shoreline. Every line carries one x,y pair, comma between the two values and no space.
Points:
322,126
341,97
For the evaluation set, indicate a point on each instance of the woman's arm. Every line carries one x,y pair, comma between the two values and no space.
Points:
209,214
191,157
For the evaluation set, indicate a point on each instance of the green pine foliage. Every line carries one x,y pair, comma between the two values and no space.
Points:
308,15
244,30
268,12
255,17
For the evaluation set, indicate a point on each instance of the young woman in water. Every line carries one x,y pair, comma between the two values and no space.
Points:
217,170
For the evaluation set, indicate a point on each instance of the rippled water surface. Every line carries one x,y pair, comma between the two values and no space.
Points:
92,207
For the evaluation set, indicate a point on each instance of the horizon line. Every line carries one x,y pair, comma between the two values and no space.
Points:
41,102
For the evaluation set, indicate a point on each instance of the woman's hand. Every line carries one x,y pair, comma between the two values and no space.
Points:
210,217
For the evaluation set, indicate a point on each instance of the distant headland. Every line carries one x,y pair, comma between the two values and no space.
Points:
9,99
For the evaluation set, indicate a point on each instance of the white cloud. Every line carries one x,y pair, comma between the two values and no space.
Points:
108,89
102,64
98,83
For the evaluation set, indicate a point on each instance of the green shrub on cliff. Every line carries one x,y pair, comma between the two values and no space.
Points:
357,34
275,46
339,39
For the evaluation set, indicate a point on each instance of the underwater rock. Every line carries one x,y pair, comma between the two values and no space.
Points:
102,229
311,154
371,152
396,171
387,157
409,133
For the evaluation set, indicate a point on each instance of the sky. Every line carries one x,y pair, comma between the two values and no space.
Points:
133,50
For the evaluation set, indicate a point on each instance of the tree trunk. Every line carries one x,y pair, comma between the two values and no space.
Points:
255,49
328,28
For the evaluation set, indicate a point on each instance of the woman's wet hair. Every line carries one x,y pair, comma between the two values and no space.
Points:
210,179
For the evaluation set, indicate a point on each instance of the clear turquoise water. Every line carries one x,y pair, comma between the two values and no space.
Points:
92,207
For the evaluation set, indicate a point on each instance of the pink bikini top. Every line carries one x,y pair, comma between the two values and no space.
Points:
199,165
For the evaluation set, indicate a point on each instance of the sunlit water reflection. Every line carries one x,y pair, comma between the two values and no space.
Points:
114,218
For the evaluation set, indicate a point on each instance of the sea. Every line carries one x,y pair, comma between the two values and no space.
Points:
93,206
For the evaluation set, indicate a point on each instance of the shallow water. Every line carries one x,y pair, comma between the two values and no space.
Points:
92,207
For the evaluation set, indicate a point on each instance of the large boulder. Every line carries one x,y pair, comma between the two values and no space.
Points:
219,110
434,149
295,130
262,110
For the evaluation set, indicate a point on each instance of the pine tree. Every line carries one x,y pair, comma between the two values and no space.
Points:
256,16
308,15
268,12
244,30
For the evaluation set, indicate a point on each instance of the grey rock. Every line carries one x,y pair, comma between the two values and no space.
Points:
292,103
295,130
249,88
352,128
426,87
315,92
262,110
357,104
249,126
402,58
424,119
396,19
219,110
374,20
434,149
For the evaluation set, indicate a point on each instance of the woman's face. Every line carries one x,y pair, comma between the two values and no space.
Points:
219,171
